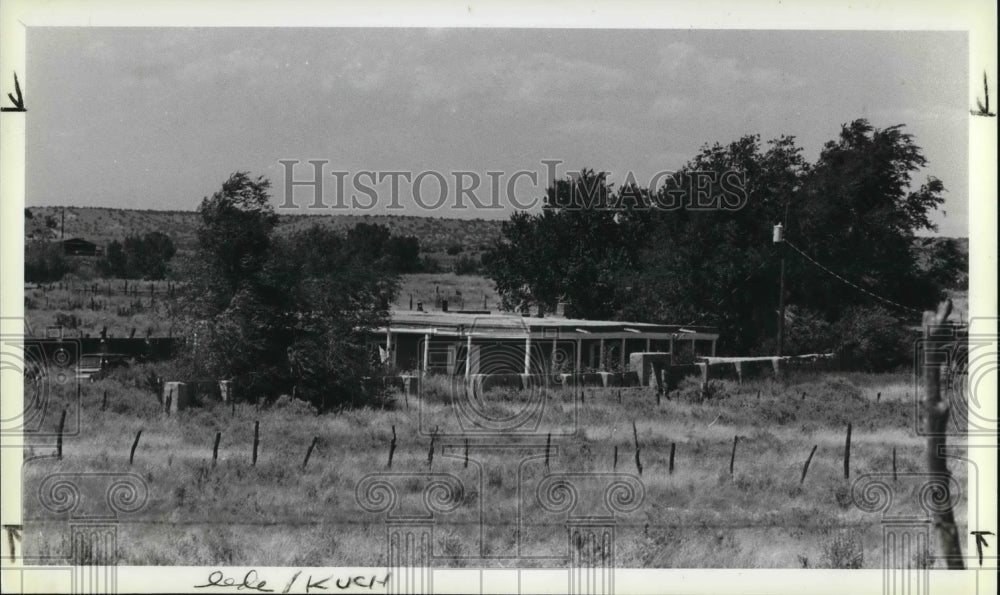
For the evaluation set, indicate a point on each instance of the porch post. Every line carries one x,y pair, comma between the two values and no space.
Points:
427,346
468,355
622,368
527,353
600,363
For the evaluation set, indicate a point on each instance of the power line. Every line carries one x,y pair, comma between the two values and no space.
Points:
854,285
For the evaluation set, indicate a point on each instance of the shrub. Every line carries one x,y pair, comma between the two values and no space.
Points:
845,551
873,340
45,262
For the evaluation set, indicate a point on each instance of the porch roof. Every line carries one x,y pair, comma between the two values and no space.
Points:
507,325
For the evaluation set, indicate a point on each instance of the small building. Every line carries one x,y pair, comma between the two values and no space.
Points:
80,247
459,343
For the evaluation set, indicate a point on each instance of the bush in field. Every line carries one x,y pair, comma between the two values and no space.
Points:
45,262
285,315
467,265
138,257
845,551
873,340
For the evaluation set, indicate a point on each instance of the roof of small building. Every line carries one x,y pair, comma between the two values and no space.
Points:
513,325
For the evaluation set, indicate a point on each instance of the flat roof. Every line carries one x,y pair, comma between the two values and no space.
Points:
513,324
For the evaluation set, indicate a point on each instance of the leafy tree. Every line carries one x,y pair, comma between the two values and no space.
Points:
44,262
113,263
145,257
292,314
467,265
375,244
573,249
233,239
852,213
873,339
944,262
858,216
718,267
403,254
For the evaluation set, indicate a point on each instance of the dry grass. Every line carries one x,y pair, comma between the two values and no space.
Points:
275,513
461,291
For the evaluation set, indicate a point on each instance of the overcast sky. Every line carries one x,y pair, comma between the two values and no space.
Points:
158,118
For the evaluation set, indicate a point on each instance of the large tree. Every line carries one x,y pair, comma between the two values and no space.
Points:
576,250
234,238
284,314
850,219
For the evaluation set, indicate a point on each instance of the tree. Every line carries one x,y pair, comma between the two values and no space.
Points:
145,257
858,216
717,267
642,254
233,238
574,250
285,314
44,262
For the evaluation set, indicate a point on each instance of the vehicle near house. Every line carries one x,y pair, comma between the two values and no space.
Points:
94,366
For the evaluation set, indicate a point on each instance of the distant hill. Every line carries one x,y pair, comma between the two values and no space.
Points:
101,225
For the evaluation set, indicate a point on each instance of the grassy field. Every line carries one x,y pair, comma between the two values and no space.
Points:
277,513
81,310
86,307
461,291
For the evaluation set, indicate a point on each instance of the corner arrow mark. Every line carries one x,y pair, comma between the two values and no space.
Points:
980,542
17,101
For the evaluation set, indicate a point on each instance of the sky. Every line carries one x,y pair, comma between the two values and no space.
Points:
157,118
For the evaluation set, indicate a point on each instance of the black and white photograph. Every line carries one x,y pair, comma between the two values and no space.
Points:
539,304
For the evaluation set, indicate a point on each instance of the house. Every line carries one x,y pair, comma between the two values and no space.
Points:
471,343
80,247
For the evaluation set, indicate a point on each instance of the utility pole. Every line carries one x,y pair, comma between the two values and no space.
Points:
779,238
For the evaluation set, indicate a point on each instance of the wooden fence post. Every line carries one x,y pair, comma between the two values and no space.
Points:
805,468
673,446
430,451
936,412
59,436
215,448
256,441
732,456
614,460
309,451
466,463
392,447
635,436
548,447
847,453
104,401
135,444
894,463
